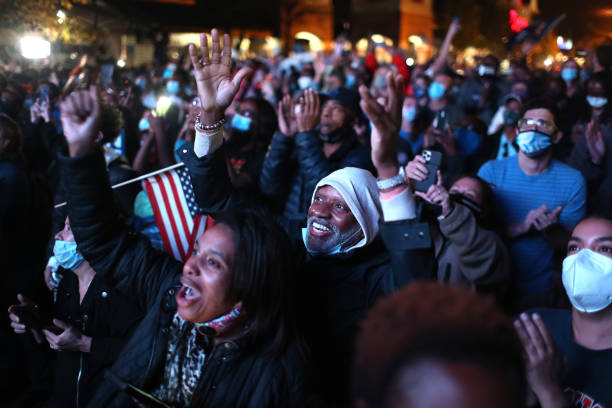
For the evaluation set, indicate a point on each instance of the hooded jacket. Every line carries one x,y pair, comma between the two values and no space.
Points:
359,190
335,290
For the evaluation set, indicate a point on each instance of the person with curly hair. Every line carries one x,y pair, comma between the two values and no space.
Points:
432,345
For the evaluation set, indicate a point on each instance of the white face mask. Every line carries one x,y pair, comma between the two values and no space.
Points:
305,82
485,70
587,278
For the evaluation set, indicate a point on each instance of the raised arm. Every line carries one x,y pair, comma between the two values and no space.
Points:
276,175
440,60
407,240
206,158
111,248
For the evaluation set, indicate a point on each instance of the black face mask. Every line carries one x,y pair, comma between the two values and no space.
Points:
474,207
337,135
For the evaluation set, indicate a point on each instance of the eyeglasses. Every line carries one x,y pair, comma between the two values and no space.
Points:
537,123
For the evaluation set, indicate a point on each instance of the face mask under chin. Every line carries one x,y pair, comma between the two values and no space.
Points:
336,135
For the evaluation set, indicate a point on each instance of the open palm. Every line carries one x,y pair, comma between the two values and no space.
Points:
216,88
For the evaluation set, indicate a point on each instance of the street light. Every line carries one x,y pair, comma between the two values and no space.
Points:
34,47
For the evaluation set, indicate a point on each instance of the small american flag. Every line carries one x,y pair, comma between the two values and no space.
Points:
179,218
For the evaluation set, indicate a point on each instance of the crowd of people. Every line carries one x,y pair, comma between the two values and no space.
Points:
381,235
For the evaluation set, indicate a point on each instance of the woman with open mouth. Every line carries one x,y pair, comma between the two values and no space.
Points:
219,330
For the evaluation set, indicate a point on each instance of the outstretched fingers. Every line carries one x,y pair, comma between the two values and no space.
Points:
204,49
240,75
195,59
216,47
226,58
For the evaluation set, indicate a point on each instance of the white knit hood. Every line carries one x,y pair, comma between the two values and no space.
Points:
359,190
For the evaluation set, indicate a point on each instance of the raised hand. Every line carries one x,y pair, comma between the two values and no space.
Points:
594,143
212,73
386,119
71,339
542,360
438,194
287,122
80,114
309,115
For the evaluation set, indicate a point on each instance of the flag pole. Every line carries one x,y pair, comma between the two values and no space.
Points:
143,177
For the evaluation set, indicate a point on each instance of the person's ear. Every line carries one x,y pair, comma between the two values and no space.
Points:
3,144
557,136
99,137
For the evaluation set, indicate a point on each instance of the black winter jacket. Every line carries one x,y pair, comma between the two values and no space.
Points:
108,316
231,377
335,291
293,166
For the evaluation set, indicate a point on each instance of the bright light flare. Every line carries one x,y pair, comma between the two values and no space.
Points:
121,63
416,40
61,16
33,47
548,61
410,61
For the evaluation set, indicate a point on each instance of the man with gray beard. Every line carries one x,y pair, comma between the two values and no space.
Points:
345,267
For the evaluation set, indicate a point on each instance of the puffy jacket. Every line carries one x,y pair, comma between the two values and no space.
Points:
293,166
231,377
335,291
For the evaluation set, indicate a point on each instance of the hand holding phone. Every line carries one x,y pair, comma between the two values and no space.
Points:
432,162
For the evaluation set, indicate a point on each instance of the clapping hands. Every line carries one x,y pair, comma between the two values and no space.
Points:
287,121
594,143
542,360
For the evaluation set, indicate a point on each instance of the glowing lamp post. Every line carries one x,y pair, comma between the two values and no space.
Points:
33,47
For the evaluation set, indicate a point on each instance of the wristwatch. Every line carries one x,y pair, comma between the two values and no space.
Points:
393,181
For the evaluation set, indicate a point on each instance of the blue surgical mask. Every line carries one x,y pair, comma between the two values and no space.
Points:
350,81
334,251
173,87
380,82
240,122
143,124
569,74
419,92
533,143
66,254
436,90
409,114
597,102
141,83
169,71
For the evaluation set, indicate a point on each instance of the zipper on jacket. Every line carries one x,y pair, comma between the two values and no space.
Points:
78,381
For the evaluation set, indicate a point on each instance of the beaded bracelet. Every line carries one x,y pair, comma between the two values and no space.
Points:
208,128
